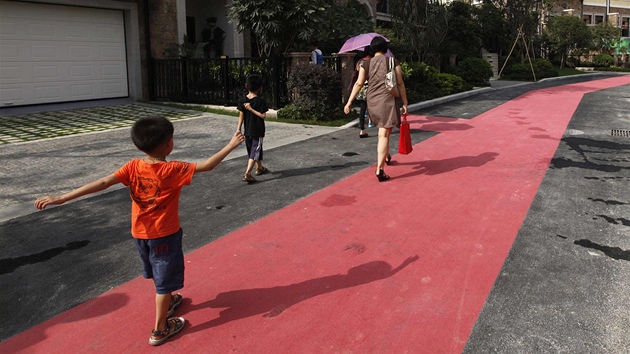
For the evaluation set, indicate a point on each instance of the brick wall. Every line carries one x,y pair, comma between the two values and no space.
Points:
163,26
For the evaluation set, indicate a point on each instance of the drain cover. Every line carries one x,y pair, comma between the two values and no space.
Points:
620,132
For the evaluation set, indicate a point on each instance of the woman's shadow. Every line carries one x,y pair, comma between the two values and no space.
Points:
436,167
272,302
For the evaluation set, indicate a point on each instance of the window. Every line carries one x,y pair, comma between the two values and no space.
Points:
624,26
599,19
588,19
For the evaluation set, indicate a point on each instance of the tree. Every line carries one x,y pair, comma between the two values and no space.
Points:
282,25
342,22
518,15
606,37
278,23
566,34
494,29
423,24
462,39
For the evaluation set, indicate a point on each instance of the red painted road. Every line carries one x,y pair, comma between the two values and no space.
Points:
403,266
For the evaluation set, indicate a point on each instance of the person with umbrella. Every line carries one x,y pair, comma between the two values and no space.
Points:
362,95
382,105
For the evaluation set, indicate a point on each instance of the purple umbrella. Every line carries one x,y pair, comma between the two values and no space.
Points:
359,42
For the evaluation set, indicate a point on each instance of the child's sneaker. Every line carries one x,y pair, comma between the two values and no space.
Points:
370,124
248,178
173,326
175,301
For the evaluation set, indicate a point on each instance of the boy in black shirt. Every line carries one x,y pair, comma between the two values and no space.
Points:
253,111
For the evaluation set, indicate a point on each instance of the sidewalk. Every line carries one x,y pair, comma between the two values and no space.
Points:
58,165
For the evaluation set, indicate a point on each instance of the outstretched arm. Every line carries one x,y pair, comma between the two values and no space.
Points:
89,188
213,161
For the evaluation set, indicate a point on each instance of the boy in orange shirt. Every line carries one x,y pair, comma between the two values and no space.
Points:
154,186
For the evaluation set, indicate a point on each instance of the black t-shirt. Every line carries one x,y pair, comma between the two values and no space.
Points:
254,125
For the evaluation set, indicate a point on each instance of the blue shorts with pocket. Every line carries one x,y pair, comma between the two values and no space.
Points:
163,261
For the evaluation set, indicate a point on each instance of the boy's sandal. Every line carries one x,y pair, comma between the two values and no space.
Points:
173,326
261,171
248,178
175,301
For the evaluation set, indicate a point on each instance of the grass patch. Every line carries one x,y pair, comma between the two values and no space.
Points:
330,123
569,71
214,110
199,108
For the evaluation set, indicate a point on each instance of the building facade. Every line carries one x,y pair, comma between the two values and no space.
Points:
55,51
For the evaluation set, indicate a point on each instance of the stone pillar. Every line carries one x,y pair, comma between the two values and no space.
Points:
299,58
163,26
493,59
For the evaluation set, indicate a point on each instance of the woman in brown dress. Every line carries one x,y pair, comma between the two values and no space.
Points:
382,105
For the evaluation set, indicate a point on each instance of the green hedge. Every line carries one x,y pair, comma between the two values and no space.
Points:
603,60
316,94
542,67
474,71
424,82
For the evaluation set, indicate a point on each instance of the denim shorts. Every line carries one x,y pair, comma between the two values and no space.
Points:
163,261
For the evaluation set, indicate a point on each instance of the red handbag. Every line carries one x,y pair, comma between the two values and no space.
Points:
404,144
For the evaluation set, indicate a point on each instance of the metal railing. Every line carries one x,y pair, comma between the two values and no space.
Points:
221,81
218,81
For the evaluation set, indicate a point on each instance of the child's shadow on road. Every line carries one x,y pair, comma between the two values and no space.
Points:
272,302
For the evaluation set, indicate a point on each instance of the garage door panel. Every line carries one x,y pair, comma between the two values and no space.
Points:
53,53
33,72
61,51
48,93
51,93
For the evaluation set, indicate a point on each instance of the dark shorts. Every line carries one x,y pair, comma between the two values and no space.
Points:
254,147
163,261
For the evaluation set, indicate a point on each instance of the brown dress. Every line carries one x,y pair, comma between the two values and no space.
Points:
382,106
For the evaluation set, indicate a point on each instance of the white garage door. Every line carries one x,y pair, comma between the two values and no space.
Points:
54,53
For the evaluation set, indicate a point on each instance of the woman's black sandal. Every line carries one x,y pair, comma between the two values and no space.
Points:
382,176
388,160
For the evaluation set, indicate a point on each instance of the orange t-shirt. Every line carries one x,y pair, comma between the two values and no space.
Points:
155,190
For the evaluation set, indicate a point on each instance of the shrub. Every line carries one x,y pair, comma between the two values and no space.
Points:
475,71
603,60
625,69
420,81
316,92
424,82
518,72
542,67
449,84
290,111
